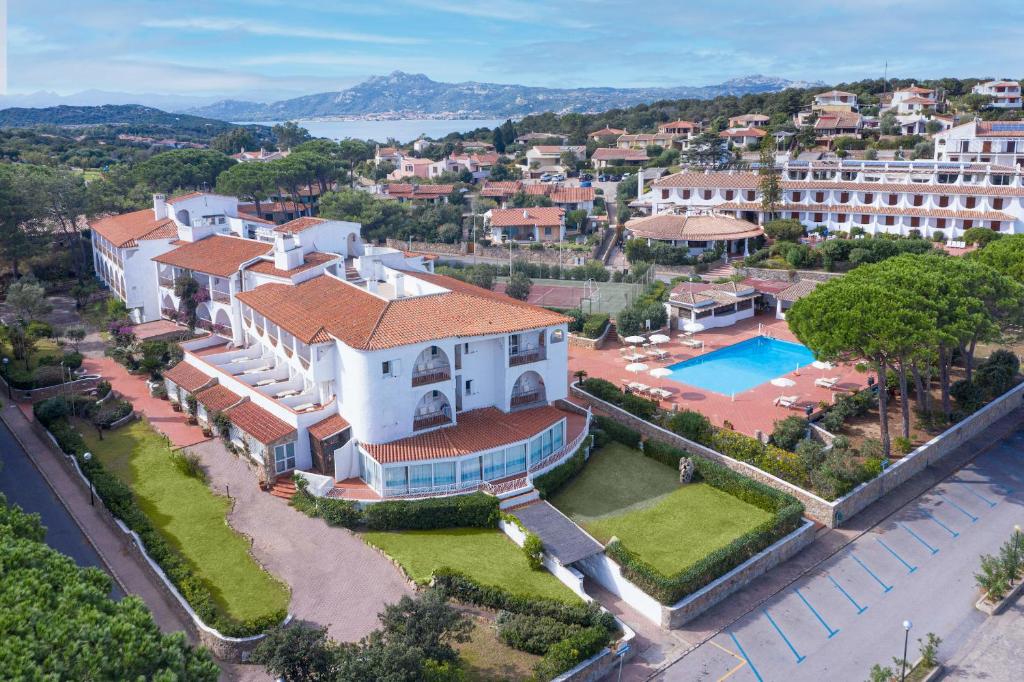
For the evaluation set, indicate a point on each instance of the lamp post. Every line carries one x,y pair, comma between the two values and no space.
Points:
906,640
87,456
6,378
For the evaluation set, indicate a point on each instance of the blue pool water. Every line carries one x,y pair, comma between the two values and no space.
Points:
742,366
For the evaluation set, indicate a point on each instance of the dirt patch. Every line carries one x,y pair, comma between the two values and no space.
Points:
486,658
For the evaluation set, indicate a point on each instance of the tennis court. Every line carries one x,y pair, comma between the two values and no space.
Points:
597,297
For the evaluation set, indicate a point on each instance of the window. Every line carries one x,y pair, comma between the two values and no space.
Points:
890,220
686,194
819,217
548,446
940,223
947,178
1000,179
968,224
918,200
469,387
842,218
557,336
915,222
793,215
284,457
707,194
420,476
395,478
844,197
444,473
943,201
751,195
869,198
547,231
387,368
494,465
557,435
997,203
819,197
469,470
796,196
515,459
729,194
536,450
995,225
864,219
970,202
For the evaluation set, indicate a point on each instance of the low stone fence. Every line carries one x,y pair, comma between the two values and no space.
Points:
577,341
787,275
551,256
82,385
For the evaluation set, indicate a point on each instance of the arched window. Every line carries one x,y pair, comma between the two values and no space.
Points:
557,336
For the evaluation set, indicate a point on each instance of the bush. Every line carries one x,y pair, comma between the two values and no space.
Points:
533,634
571,652
968,395
533,548
902,445
1004,358
72,360
48,375
664,453
630,402
38,329
691,425
617,431
769,458
789,432
550,482
476,510
103,388
577,319
785,230
189,464
110,411
594,325
335,512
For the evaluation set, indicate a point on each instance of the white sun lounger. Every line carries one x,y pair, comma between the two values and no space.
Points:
692,343
789,401
660,393
827,382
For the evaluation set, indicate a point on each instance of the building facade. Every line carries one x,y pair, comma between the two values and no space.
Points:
1005,94
982,142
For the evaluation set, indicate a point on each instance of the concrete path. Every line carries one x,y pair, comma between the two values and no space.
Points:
562,538
336,579
992,652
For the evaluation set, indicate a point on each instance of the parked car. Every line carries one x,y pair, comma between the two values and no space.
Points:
614,178
587,177
557,177
546,177
602,178
584,183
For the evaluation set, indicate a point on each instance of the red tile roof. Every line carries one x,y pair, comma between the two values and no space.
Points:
688,125
607,132
188,376
217,398
695,227
873,210
572,195
748,180
183,197
742,132
607,154
299,225
325,307
123,230
312,259
839,119
216,255
540,189
259,423
542,216
328,427
477,430
504,188
253,218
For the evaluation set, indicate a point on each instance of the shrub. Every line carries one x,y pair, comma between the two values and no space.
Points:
784,230
617,431
38,329
48,375
571,652
992,578
690,425
769,458
533,548
50,410
110,411
929,646
902,445
550,482
476,510
967,394
993,379
811,453
532,634
1004,358
72,360
630,402
664,453
594,325
189,464
577,318
789,432
334,511
102,388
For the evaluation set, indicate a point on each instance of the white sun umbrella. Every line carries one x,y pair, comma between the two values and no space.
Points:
634,339
659,372
821,364
659,338
636,367
783,382
693,327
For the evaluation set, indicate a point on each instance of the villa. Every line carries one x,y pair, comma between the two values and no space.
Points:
606,134
352,365
419,193
835,101
1005,94
684,128
261,156
988,142
742,137
911,100
644,140
748,120
698,232
606,156
838,123
710,305
535,224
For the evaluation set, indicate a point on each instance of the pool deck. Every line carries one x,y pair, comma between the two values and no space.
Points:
749,411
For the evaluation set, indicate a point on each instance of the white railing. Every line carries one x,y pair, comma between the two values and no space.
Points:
567,450
319,485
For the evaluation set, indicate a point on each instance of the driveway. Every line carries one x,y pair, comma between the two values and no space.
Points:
336,579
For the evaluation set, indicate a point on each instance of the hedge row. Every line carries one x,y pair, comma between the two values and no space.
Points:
617,431
768,458
119,499
476,510
548,483
595,324
630,402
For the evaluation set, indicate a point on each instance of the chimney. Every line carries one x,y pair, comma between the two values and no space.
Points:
159,206
399,285
287,254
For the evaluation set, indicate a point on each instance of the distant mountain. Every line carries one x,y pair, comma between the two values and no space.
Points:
408,95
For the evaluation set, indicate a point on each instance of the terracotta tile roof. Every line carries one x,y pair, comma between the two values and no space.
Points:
606,154
417,191
167,230
918,100
538,189
748,180
835,93
742,132
299,225
724,179
123,230
798,290
259,423
504,188
748,118
1010,129
550,148
915,89
477,430
253,218
873,210
689,125
607,132
217,398
328,427
572,195
646,138
312,259
839,119
275,206
542,216
693,227
216,255
188,376
325,307
183,197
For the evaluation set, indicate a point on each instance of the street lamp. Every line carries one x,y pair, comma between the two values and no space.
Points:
906,640
87,456
6,379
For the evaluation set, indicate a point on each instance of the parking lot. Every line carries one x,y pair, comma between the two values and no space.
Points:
917,565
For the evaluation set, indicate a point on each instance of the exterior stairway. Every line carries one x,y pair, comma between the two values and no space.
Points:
719,271
283,487
522,499
352,275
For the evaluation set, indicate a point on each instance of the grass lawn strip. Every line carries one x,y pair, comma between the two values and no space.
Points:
623,494
43,347
484,554
191,517
485,658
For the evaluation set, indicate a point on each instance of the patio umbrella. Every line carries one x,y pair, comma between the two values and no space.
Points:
820,364
659,338
693,327
636,367
782,382
634,339
659,372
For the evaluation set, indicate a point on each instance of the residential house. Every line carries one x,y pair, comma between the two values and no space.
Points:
698,232
535,224
608,157
742,137
748,121
418,193
421,145
500,191
573,198
645,140
911,100
261,156
1005,94
550,155
387,155
686,129
606,135
832,124
530,138
835,101
983,142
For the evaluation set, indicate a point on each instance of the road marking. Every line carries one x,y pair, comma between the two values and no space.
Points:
947,528
984,499
799,658
972,517
732,653
910,569
831,633
933,550
885,588
745,657
860,609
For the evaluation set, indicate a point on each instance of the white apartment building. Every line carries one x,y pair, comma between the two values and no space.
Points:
912,100
835,100
996,142
354,365
1005,94
877,196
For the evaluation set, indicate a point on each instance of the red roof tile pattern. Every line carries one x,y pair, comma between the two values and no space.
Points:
216,255
841,120
417,191
217,398
299,225
542,216
325,307
504,188
984,129
540,189
312,260
477,430
607,154
572,195
123,230
183,197
747,180
168,230
874,210
742,132
607,132
188,376
259,423
328,427
685,125
709,180
693,227
254,219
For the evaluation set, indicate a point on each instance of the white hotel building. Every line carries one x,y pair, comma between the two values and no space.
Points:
877,196
352,365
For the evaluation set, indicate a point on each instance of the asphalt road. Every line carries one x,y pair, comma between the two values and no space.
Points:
22,483
917,565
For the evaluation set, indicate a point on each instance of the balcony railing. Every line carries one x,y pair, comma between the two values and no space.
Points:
166,281
220,296
525,398
425,421
525,357
431,376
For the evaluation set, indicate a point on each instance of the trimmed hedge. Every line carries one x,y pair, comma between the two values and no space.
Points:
617,431
475,510
630,402
550,482
769,458
533,634
595,324
334,511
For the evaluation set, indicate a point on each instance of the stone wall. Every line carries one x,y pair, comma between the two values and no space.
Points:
787,275
550,256
577,341
37,394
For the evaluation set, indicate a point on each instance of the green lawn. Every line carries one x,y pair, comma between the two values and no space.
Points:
191,517
623,494
17,368
481,553
485,658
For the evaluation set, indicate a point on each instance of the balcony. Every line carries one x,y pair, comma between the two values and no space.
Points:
430,419
525,398
165,281
220,296
525,357
430,376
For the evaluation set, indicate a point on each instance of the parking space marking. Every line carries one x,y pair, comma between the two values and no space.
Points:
860,609
885,588
831,633
933,550
949,530
910,569
799,658
745,657
732,653
984,499
972,517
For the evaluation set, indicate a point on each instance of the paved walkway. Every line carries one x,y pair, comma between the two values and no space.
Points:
562,538
992,652
172,424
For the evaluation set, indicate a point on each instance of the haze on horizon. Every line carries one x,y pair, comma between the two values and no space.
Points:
273,49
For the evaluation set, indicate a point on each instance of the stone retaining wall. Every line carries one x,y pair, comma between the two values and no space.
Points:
577,341
550,256
37,394
787,275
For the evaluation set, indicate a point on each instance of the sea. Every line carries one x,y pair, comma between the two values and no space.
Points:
403,130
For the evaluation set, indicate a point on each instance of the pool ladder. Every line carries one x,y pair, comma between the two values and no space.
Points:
763,331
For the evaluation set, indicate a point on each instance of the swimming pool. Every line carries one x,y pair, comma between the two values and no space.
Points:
742,366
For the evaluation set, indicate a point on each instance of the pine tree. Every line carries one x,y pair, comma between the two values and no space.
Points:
768,183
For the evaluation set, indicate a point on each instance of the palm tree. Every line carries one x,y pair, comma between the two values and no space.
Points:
580,375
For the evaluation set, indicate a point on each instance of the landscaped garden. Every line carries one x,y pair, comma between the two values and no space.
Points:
484,554
623,494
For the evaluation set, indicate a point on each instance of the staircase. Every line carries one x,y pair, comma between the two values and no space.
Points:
613,332
719,271
523,499
283,487
352,275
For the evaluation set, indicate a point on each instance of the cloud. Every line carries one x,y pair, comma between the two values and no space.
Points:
231,25
24,40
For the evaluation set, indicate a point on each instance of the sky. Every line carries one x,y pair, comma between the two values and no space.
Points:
271,49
